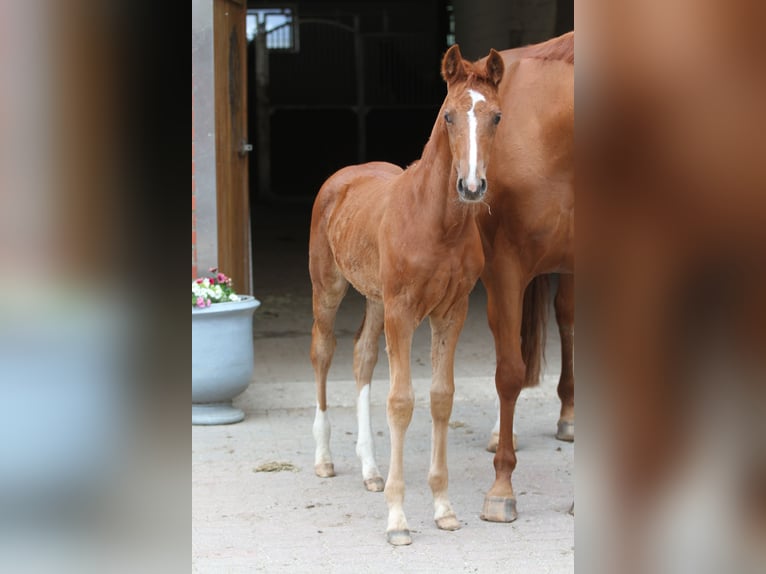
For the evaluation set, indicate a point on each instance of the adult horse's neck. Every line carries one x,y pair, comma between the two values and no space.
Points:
433,183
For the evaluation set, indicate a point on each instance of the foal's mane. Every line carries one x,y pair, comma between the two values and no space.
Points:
560,48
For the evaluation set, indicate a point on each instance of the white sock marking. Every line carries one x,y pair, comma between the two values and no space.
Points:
473,151
322,437
365,449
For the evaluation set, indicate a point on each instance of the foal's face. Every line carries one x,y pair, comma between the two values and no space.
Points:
471,113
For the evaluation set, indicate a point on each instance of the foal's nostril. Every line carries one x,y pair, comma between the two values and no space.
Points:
472,191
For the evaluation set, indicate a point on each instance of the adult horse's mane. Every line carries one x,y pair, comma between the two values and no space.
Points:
559,48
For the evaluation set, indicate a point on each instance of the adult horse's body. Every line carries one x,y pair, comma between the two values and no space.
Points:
527,233
409,242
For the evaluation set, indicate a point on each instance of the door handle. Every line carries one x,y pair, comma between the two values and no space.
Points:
244,148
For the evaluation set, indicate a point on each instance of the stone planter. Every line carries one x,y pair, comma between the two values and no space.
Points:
222,359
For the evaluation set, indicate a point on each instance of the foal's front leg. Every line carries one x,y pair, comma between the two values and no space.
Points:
399,327
444,335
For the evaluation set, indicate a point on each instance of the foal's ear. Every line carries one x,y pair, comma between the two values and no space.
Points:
495,66
452,65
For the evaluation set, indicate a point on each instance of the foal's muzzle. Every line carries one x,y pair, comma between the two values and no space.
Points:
470,193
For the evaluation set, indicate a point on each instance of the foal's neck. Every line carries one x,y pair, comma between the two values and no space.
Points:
433,185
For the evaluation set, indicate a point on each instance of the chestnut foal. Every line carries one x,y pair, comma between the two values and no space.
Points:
408,241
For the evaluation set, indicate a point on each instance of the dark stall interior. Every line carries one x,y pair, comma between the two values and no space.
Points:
341,83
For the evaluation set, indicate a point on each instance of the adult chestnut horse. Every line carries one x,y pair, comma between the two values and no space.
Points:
409,242
534,315
528,233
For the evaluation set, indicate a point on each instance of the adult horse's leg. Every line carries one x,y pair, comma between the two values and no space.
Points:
399,327
534,317
444,335
329,287
504,302
494,436
365,358
564,304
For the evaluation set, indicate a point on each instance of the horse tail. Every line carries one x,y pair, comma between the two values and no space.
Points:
534,320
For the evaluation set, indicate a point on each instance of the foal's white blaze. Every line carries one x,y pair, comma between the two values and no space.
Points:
472,182
322,437
365,449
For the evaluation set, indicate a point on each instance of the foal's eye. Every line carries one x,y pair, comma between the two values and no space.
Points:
448,117
497,118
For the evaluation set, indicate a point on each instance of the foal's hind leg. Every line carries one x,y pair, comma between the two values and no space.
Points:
564,304
329,287
444,335
365,357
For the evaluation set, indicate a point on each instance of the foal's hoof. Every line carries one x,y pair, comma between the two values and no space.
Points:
324,469
565,431
374,484
499,509
399,537
495,439
449,522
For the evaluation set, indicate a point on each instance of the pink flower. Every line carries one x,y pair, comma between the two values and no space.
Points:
207,303
200,302
199,281
221,278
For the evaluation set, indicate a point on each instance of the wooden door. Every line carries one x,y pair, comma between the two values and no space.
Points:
230,60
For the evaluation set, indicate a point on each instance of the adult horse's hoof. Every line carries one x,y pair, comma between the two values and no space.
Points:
495,439
324,469
374,484
499,509
399,537
449,522
565,431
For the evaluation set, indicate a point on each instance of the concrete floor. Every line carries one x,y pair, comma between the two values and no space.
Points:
289,520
